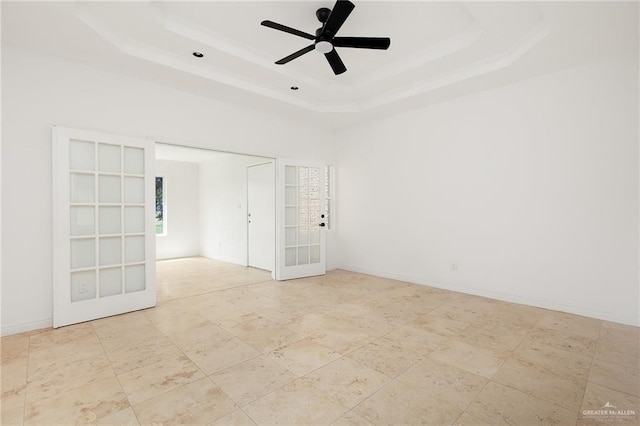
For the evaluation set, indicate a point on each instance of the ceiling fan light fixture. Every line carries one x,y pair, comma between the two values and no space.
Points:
324,46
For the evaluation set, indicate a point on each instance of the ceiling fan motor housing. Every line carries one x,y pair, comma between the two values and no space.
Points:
323,44
323,14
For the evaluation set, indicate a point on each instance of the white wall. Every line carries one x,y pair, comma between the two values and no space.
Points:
39,91
182,200
223,209
532,189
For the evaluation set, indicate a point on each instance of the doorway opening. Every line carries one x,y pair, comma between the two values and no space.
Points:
205,214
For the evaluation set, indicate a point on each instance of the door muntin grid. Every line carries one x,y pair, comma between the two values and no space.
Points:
302,215
107,229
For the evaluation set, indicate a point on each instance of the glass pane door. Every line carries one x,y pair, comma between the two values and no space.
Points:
105,252
301,220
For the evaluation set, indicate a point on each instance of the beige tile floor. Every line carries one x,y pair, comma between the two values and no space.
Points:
228,346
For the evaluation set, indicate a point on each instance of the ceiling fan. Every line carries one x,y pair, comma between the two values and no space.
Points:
325,39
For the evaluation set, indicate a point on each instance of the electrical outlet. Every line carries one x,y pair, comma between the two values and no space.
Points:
454,265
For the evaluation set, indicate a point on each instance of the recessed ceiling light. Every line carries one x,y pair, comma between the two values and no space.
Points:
294,87
198,54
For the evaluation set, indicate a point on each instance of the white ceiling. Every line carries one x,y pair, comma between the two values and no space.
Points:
439,50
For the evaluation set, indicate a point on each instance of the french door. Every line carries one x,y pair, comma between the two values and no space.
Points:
103,225
300,200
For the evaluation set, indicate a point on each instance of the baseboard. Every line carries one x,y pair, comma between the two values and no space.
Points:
241,262
10,329
177,257
523,300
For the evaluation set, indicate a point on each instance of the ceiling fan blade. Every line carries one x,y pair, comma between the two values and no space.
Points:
286,29
296,54
336,63
338,15
362,42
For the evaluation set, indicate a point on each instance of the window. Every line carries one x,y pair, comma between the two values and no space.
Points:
329,200
161,211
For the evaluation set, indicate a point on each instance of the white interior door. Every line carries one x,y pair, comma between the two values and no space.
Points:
261,208
300,201
103,225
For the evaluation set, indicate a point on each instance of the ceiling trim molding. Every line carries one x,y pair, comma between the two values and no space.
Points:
433,53
500,61
457,43
205,36
163,57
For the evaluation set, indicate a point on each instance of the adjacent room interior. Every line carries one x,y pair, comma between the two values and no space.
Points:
331,212
215,205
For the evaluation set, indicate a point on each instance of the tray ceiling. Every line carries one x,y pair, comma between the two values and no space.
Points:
435,46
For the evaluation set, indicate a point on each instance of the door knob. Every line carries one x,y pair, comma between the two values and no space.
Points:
322,224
